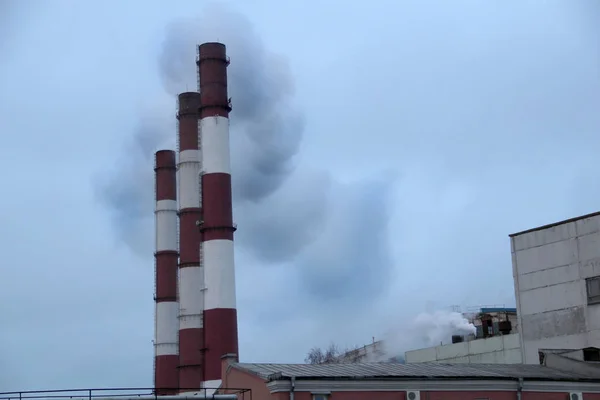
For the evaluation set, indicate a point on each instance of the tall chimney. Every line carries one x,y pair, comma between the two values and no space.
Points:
217,228
165,270
191,276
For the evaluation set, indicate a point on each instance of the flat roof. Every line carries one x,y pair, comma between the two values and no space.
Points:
566,221
366,371
498,309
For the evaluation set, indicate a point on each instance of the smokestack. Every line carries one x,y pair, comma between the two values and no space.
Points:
191,276
220,315
165,271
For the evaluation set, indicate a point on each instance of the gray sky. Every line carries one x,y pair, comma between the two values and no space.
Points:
383,151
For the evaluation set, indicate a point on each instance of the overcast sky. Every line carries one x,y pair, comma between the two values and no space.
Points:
383,151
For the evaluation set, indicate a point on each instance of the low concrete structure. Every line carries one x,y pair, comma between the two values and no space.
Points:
505,349
374,352
570,361
556,270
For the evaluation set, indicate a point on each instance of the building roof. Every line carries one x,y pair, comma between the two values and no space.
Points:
409,371
566,221
486,310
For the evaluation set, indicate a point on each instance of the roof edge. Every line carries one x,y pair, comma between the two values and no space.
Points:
566,221
248,371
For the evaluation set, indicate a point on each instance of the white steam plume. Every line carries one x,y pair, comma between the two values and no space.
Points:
426,330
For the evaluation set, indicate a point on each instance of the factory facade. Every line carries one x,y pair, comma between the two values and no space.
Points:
496,341
392,381
544,349
556,271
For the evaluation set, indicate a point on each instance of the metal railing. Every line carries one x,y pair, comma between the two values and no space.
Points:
130,394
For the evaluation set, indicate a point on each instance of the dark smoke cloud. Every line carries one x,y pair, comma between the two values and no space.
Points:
333,234
281,226
267,128
128,189
352,260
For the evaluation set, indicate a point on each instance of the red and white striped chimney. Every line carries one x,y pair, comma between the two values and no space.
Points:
191,276
166,325
220,315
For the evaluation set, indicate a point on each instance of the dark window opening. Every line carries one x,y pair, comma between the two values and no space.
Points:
591,354
593,290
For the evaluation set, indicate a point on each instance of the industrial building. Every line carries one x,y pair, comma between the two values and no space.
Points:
392,381
496,341
496,324
556,270
196,342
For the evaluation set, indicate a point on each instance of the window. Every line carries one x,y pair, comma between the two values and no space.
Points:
593,290
591,354
320,397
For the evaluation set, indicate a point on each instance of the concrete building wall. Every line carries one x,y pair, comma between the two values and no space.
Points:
550,268
374,352
495,350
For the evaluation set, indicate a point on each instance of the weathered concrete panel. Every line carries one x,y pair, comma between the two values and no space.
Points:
589,246
538,238
588,225
593,338
558,342
547,277
484,358
551,298
511,341
457,360
589,268
593,317
555,323
452,350
422,355
491,350
513,356
488,345
547,256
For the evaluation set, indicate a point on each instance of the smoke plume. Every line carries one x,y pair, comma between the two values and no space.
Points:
438,327
128,189
426,330
351,259
334,234
267,128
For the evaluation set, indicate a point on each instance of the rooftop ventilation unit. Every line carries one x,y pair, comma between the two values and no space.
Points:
413,395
